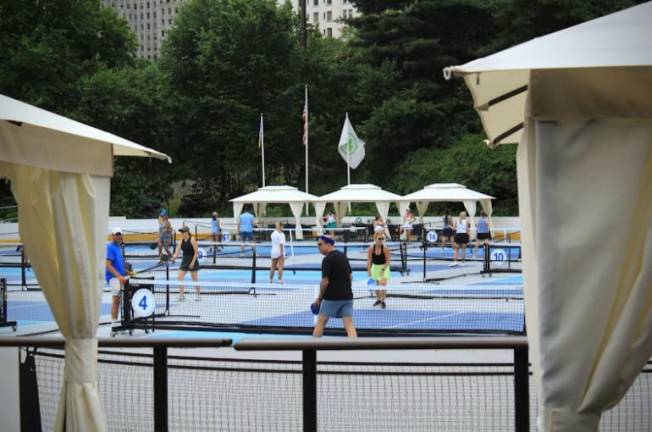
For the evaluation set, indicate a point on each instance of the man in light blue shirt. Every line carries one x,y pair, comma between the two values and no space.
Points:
246,228
216,231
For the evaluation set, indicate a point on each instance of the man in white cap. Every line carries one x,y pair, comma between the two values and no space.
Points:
115,270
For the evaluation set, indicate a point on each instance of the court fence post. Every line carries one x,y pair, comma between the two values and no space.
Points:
485,265
425,248
309,390
160,389
521,390
167,288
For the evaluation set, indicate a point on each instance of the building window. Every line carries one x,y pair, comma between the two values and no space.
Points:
329,16
329,32
329,2
148,26
315,17
154,14
147,5
147,15
316,3
162,33
170,21
141,15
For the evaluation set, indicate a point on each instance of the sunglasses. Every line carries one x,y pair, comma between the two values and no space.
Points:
381,238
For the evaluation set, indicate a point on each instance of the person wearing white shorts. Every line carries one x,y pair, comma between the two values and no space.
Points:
115,270
278,253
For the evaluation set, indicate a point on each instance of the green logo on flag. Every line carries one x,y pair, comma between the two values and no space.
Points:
351,146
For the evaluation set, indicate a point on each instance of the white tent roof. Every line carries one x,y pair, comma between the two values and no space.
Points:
446,192
36,137
275,194
499,82
360,193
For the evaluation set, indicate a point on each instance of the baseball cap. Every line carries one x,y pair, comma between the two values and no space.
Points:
163,212
116,230
184,229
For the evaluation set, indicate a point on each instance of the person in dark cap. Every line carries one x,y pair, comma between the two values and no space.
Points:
189,262
335,298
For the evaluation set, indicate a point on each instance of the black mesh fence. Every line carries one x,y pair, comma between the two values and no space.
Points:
210,394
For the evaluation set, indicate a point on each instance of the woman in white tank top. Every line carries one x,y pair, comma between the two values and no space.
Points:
461,238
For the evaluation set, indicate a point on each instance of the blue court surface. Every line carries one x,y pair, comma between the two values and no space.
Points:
36,312
409,319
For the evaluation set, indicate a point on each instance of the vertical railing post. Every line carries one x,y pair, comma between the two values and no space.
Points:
167,288
425,250
521,390
160,389
309,390
253,265
486,258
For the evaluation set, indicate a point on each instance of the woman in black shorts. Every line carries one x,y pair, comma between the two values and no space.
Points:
446,233
189,263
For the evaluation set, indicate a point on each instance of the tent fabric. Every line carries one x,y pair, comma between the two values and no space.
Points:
360,193
62,221
279,194
36,137
449,192
577,101
594,340
319,212
499,82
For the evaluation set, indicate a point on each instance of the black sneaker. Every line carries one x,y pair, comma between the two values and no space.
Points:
383,305
377,303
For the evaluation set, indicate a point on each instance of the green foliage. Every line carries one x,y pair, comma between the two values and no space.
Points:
468,162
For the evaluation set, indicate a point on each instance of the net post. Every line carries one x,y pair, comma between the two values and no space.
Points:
309,390
425,248
253,264
126,307
521,390
486,258
167,288
23,271
160,389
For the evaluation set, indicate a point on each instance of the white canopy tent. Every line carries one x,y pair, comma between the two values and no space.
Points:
60,177
360,193
449,192
578,103
295,198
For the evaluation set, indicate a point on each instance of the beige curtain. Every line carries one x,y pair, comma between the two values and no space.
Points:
589,304
63,219
297,208
319,213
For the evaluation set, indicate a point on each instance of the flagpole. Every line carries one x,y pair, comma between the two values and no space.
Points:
348,157
305,131
261,137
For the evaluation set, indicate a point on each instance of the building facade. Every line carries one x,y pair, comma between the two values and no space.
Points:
150,20
329,16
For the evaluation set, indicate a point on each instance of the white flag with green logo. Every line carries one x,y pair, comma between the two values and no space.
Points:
351,147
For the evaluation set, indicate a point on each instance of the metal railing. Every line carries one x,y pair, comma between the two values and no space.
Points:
309,348
160,364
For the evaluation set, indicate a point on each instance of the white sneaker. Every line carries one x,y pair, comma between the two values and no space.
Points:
453,264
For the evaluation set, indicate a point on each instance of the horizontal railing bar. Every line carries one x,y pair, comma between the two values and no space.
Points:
58,342
381,343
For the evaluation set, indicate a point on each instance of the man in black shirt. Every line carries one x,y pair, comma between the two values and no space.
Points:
335,296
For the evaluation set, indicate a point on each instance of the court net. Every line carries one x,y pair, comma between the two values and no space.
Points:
264,307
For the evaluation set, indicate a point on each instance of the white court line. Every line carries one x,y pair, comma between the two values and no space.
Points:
426,319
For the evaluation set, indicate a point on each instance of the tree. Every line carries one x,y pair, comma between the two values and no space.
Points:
48,46
469,162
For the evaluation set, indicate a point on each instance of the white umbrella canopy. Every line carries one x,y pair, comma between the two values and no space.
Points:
60,177
39,138
449,192
577,104
499,83
280,194
361,193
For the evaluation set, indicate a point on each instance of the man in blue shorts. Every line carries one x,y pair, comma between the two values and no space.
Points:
246,228
115,270
335,298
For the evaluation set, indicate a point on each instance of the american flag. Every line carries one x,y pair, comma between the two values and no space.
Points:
304,119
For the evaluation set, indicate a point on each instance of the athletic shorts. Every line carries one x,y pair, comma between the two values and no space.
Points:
377,272
461,238
115,290
447,232
246,236
277,257
185,265
484,236
336,308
